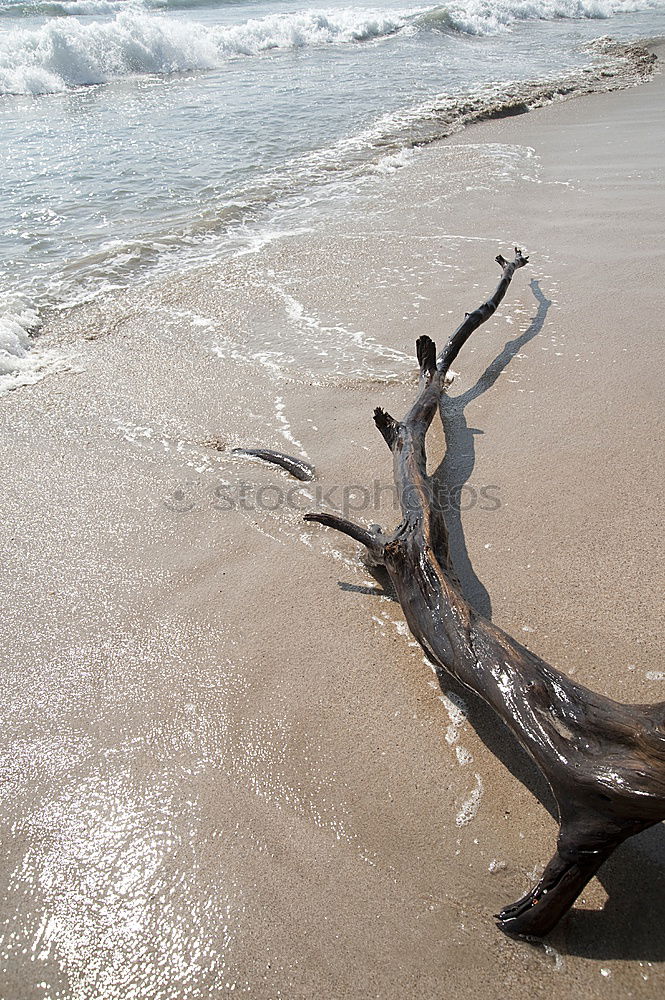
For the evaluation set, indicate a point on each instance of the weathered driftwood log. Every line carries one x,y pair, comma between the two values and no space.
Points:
604,761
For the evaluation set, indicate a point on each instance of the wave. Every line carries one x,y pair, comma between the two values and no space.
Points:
18,319
482,17
92,8
285,191
475,17
22,362
384,146
386,142
277,204
63,54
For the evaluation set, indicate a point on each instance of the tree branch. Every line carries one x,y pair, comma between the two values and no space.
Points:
473,320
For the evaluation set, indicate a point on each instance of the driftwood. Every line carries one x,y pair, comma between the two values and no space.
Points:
604,761
296,467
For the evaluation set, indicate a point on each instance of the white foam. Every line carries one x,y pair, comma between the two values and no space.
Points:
457,711
22,364
284,426
18,318
463,756
551,952
134,432
334,336
393,162
478,17
471,804
66,53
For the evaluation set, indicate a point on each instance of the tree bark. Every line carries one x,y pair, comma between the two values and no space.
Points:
604,761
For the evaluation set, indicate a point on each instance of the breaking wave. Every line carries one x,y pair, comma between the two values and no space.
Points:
482,17
131,40
69,53
382,147
87,8
18,317
469,16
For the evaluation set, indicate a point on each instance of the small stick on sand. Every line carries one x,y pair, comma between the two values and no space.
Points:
296,467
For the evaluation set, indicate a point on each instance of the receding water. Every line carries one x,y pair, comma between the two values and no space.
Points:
141,135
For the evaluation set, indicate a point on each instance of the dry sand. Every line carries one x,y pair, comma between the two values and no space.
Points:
226,767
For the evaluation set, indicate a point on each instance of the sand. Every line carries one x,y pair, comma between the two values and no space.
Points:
226,766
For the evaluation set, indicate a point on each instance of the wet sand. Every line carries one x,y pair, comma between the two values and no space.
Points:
226,767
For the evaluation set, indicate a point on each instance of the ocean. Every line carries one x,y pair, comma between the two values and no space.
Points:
140,138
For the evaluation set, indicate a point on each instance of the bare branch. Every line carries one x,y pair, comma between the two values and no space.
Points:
480,315
371,540
604,761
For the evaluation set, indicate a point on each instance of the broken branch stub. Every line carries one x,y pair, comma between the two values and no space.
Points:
604,761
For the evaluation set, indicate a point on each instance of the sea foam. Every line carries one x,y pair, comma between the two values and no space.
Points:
20,364
481,17
65,52
17,318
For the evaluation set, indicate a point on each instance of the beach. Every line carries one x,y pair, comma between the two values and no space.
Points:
228,766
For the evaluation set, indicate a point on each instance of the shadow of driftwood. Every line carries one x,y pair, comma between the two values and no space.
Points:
459,460
384,591
630,925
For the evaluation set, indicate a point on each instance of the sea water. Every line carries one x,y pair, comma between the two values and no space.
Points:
139,137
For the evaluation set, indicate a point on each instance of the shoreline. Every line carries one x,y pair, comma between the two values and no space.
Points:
227,764
380,147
